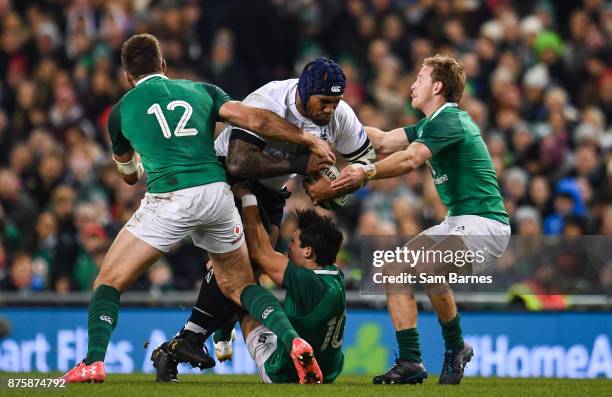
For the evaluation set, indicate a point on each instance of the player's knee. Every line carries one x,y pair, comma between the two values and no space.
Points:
111,278
231,289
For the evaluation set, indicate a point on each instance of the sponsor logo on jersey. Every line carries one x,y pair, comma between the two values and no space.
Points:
336,88
108,319
267,311
441,180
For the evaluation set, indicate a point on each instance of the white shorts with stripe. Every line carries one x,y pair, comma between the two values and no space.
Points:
206,213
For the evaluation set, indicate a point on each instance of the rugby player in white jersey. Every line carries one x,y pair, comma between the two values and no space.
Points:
313,102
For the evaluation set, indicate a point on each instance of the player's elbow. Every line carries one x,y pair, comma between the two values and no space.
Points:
378,143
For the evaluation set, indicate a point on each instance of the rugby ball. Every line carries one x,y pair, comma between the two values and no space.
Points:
330,172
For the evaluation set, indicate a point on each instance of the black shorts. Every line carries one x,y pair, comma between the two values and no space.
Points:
271,204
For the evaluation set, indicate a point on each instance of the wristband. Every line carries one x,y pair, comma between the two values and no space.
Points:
129,167
249,200
370,170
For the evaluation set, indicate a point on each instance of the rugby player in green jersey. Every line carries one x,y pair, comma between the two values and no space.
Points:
169,125
315,300
449,142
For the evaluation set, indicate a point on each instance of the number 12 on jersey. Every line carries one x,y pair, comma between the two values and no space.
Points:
180,129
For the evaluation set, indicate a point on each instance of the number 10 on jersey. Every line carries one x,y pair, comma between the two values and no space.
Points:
180,129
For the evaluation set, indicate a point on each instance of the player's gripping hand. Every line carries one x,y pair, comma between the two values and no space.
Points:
351,177
315,164
319,190
321,148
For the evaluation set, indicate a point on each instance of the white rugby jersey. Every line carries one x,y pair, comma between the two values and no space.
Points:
344,130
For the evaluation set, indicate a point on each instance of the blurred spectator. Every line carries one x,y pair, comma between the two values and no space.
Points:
93,245
527,221
20,274
568,202
539,85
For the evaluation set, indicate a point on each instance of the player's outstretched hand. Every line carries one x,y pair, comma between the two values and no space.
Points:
240,190
321,148
351,177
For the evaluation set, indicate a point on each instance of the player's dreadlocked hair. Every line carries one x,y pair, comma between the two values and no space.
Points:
320,233
141,55
449,71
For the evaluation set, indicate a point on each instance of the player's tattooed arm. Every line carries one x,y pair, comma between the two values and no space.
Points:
270,125
246,159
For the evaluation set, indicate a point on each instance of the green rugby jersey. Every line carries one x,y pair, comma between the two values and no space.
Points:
171,124
461,166
316,307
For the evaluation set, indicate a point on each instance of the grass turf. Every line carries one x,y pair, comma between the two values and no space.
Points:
352,386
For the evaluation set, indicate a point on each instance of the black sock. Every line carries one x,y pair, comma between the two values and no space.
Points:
212,309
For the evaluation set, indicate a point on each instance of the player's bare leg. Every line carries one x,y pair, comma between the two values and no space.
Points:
458,353
235,278
211,312
402,308
127,258
233,272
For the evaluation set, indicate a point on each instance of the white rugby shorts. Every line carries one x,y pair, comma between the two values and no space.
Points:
207,213
478,233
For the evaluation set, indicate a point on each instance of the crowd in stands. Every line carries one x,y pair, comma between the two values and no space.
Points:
539,85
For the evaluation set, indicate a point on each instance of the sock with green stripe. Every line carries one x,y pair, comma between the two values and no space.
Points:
266,309
224,333
452,334
103,315
409,346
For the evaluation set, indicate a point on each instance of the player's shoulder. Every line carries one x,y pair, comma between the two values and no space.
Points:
446,120
343,110
449,113
333,277
344,118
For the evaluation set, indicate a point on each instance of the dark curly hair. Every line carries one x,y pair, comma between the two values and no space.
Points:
321,233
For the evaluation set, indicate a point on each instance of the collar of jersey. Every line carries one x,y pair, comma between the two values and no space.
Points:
150,77
441,108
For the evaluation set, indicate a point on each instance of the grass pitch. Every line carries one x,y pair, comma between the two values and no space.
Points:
349,386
